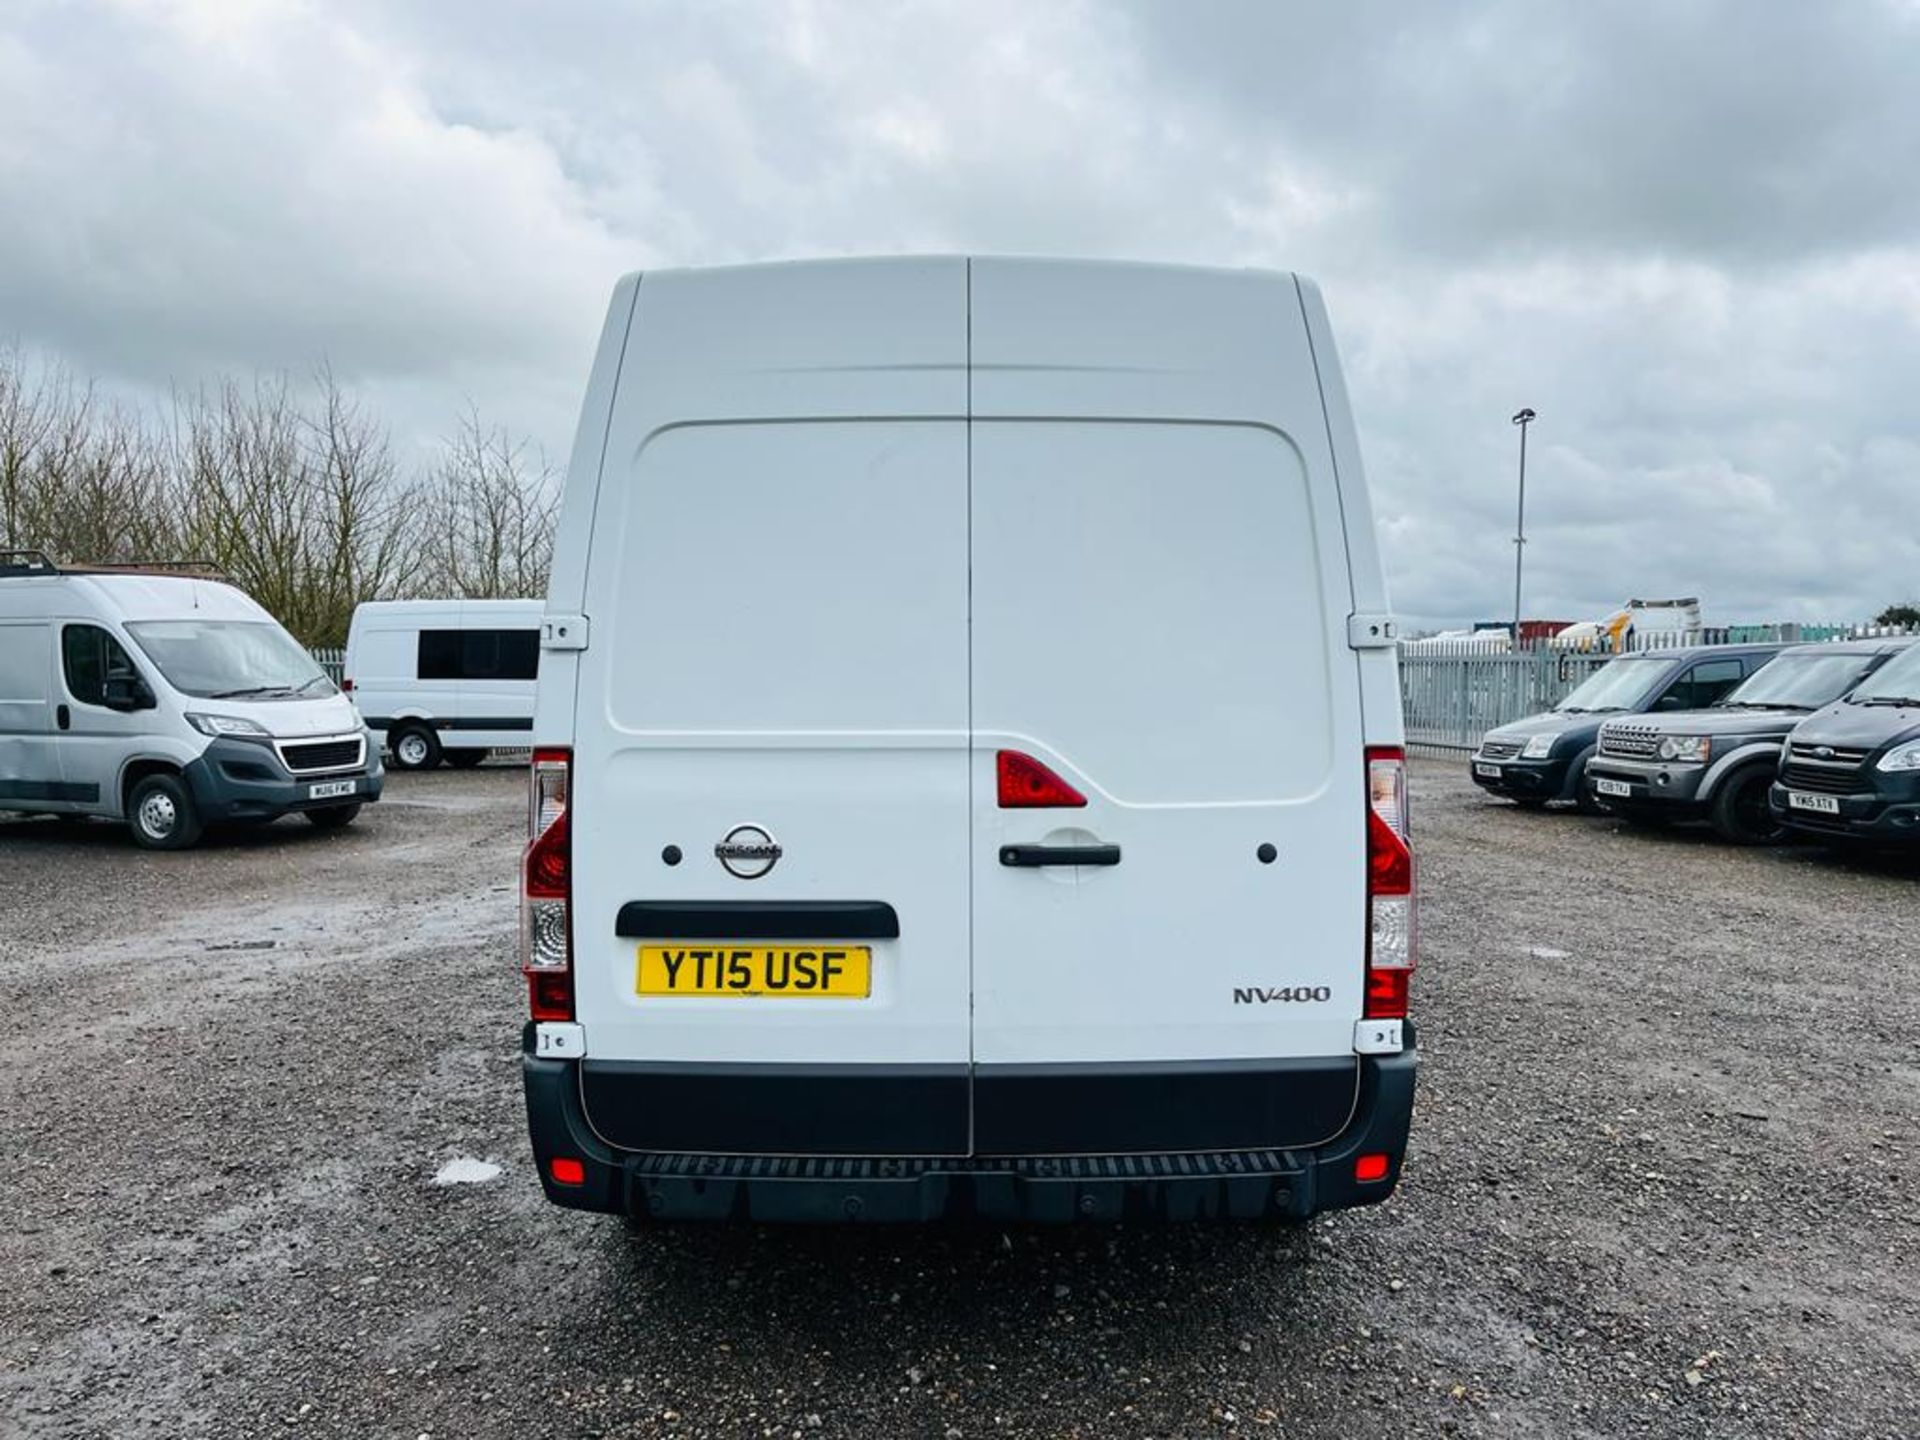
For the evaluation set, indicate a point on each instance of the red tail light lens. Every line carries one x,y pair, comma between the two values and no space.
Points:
549,861
1026,784
346,686
1390,896
567,1171
546,924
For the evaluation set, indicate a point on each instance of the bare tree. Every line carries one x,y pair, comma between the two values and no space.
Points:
491,512
291,488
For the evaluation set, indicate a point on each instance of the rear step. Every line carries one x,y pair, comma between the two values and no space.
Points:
1236,1184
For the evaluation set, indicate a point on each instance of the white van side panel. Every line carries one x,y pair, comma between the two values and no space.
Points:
1379,668
29,759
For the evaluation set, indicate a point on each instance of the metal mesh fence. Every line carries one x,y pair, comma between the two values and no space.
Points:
1454,691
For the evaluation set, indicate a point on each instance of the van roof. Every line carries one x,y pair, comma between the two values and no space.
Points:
528,606
151,597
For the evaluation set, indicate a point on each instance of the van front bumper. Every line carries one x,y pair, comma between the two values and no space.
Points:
1893,818
1208,1184
235,780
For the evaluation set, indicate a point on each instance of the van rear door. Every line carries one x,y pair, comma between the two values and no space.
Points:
778,592
1159,617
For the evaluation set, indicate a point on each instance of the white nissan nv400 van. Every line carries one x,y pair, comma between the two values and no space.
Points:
170,701
967,772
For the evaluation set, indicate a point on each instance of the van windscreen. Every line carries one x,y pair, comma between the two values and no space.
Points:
230,659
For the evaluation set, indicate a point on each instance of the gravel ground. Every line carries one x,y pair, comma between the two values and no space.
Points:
1662,1180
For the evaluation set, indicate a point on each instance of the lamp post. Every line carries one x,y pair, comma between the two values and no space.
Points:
1523,419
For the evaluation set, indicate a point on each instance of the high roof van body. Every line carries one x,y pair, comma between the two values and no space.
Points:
444,680
171,701
968,771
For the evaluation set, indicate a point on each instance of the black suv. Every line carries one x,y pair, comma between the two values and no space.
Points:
1718,764
1852,770
1544,757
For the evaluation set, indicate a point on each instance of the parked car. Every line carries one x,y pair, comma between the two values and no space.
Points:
444,680
1718,764
167,700
1852,770
1544,757
933,816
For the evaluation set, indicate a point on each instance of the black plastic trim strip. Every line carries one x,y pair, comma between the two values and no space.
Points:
1150,1106
757,920
777,1109
68,791
482,722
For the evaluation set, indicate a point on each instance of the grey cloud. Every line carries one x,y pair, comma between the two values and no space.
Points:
1684,233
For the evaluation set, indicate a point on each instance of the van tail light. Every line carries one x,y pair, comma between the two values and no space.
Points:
1026,784
1390,902
546,889
346,685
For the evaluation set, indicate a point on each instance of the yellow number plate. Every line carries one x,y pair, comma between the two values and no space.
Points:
799,972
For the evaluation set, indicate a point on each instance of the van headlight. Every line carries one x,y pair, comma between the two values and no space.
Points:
1901,757
226,725
1695,748
1540,746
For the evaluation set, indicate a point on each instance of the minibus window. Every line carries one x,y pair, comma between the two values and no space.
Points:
479,654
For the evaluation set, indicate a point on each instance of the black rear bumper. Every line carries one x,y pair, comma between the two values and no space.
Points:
1239,1183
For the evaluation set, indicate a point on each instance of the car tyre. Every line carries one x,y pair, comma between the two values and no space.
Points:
464,759
1740,814
413,747
162,813
1584,800
333,817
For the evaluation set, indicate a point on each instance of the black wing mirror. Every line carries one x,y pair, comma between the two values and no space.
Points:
126,693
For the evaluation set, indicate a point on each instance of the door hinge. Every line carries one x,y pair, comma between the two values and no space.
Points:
563,632
1377,631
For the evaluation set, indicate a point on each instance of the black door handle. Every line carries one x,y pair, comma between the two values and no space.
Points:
62,717
1026,855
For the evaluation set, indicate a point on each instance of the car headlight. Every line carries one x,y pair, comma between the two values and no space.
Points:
1901,757
1696,748
1540,746
226,725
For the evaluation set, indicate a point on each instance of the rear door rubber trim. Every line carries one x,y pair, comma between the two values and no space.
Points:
757,920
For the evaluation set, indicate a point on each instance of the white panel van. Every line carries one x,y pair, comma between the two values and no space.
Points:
171,701
444,680
967,766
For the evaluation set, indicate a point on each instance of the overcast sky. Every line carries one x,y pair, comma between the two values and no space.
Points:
1687,233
